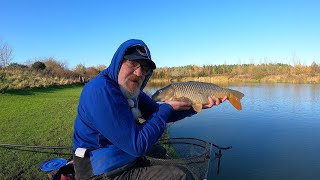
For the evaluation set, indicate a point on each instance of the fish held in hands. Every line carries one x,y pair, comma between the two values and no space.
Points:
197,93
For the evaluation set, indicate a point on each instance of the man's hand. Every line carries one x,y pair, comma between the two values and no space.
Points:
213,101
180,105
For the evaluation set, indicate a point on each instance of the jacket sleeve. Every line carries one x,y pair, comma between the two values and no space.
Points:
178,115
110,114
148,106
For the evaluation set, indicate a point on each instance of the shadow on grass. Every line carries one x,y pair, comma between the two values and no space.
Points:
50,89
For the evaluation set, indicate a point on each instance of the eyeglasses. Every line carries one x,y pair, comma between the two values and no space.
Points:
145,69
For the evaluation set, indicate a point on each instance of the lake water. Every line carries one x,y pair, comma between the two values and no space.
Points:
275,136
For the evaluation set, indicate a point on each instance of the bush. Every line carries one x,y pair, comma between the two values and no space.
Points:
38,65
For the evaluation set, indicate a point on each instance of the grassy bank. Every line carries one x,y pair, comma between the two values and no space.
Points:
26,78
35,117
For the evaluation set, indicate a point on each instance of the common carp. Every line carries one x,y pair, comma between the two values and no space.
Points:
197,93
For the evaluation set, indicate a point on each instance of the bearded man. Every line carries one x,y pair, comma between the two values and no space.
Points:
109,142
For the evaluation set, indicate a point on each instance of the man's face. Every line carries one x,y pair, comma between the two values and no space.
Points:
131,77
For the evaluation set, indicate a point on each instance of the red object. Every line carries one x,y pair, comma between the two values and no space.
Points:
63,177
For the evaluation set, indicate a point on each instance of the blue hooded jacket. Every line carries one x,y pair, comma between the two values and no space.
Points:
105,124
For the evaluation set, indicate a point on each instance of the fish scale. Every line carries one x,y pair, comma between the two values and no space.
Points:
198,92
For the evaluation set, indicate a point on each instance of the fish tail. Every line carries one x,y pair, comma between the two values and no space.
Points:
234,99
238,94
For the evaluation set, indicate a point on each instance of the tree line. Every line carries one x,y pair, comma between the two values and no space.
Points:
49,65
44,73
241,71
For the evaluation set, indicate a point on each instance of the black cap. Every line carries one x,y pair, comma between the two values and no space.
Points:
139,53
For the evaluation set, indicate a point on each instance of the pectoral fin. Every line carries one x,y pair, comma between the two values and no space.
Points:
235,102
197,107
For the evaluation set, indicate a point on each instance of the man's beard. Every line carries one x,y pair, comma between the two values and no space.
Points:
131,94
128,94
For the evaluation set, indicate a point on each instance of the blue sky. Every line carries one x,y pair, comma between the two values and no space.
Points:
177,32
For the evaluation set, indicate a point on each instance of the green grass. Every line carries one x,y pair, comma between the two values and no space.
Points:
35,117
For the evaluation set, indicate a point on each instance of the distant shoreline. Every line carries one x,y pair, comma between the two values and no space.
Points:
222,79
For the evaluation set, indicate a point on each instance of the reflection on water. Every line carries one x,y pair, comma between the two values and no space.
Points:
275,136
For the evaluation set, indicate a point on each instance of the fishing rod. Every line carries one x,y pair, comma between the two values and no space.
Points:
37,147
31,148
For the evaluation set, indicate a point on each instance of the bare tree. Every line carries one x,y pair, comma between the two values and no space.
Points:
5,54
80,69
